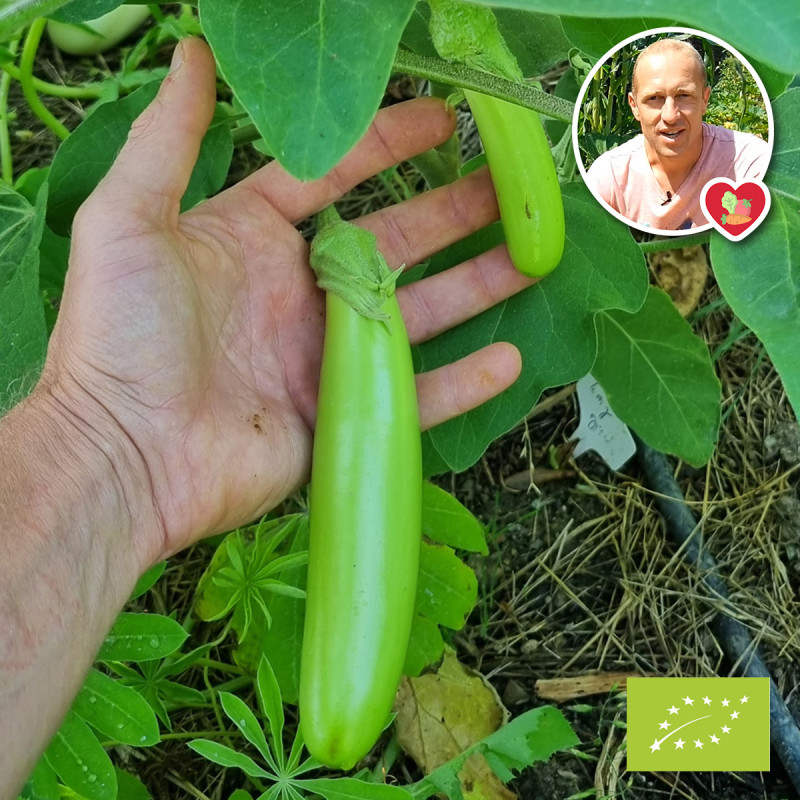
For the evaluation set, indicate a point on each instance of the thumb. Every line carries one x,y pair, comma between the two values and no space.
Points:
152,171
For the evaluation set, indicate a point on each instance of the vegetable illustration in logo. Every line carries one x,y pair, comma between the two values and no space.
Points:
738,210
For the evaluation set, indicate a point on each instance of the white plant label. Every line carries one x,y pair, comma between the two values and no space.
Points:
600,429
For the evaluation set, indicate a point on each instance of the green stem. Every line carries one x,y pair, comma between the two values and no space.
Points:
674,242
26,79
87,92
221,666
212,734
245,134
521,94
230,686
6,158
386,180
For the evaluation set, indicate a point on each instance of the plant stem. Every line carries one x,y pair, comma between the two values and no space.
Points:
245,134
230,686
521,94
26,79
86,92
674,242
6,159
215,706
211,734
221,666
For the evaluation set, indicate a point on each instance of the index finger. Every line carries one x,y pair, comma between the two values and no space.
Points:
397,133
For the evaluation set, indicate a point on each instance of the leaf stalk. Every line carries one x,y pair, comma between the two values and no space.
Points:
521,94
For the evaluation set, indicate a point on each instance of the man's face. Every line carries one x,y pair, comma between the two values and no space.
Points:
669,101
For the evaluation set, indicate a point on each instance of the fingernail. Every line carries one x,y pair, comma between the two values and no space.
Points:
177,58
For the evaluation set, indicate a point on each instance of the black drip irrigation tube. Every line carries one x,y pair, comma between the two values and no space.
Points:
734,637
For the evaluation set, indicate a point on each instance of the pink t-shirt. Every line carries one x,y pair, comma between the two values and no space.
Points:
624,179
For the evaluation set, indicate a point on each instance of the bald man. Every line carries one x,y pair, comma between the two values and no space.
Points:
656,178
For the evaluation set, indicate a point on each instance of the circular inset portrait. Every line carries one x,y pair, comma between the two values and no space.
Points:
662,114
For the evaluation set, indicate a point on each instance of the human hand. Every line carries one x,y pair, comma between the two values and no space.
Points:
189,345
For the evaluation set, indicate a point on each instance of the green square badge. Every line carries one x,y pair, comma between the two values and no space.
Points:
698,724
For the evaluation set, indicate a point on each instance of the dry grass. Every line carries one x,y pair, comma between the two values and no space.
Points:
590,580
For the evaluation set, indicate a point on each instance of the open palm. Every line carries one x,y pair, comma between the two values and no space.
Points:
200,335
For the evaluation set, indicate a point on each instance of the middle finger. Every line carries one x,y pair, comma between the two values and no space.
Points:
410,232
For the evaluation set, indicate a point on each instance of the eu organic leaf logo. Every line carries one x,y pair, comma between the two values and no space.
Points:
698,724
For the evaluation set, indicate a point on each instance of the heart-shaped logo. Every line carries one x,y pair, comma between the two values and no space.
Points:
735,210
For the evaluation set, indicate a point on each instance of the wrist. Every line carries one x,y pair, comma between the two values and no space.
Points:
68,545
82,471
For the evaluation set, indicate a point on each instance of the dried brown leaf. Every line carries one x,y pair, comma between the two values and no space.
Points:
441,714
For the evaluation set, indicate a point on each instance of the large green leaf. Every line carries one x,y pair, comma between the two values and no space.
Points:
596,37
16,14
770,34
658,378
760,278
23,334
537,40
86,156
783,176
311,75
82,10
53,249
81,763
552,324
